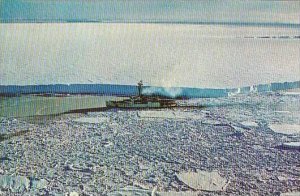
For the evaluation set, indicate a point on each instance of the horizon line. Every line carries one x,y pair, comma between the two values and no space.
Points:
262,24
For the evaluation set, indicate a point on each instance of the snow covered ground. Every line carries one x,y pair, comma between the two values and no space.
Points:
285,128
160,54
231,143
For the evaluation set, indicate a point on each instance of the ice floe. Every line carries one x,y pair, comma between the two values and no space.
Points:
288,129
291,93
291,145
203,180
169,115
39,184
211,122
14,183
283,112
182,193
93,120
249,124
73,193
290,194
129,190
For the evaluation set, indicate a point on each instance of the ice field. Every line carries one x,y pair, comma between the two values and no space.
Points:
184,55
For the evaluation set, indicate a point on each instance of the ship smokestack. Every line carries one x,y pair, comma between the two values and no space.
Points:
140,86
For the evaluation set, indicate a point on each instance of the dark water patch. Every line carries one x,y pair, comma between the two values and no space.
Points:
102,109
32,106
40,119
283,147
237,135
86,110
4,159
4,137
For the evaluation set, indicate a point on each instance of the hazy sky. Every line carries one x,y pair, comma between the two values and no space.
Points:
151,10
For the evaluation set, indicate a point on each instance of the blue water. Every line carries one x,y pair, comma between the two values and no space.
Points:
130,90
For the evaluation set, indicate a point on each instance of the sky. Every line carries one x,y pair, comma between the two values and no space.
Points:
287,12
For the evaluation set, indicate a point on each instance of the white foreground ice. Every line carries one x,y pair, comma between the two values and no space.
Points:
283,112
290,194
162,55
72,154
292,93
14,183
288,129
183,193
93,120
203,180
169,115
292,145
21,183
249,124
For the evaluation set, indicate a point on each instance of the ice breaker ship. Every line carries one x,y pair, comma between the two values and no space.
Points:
142,101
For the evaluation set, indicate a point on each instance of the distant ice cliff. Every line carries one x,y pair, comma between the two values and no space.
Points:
130,90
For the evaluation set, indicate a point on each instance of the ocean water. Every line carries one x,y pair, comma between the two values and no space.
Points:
30,105
217,57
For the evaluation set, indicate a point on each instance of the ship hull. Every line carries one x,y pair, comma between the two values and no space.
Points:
156,104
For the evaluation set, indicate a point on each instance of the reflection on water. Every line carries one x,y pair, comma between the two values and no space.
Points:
26,106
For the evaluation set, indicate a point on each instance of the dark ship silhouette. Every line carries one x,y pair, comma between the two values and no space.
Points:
142,101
